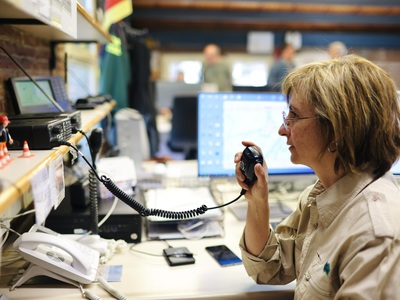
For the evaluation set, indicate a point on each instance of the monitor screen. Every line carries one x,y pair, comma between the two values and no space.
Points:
227,119
396,168
28,98
29,93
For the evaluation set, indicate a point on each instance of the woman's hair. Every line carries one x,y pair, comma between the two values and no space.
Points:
358,110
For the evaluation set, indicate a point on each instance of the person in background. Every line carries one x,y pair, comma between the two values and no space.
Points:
281,67
343,240
337,49
215,70
180,76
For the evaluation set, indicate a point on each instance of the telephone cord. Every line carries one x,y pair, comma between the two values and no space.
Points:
87,294
112,291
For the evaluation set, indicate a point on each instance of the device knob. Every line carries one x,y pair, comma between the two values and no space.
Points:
56,130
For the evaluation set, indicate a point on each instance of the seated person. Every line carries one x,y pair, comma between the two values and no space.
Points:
343,240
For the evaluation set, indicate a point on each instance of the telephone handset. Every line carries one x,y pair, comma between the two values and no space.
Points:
57,254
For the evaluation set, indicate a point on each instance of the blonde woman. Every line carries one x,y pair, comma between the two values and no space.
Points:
343,240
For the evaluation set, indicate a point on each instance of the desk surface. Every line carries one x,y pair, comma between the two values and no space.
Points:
150,277
15,178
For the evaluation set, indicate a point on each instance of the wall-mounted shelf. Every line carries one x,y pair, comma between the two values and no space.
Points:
83,27
16,176
89,28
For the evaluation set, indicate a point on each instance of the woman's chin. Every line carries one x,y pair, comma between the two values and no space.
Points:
294,159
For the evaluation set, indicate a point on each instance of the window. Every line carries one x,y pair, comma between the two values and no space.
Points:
82,70
253,73
191,70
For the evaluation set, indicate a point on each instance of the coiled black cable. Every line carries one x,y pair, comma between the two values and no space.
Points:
137,206
94,207
145,212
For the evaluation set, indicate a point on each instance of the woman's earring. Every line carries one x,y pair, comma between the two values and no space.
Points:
331,149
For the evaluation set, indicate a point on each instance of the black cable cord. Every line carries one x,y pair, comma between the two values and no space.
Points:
94,208
93,183
88,142
143,211
95,141
132,248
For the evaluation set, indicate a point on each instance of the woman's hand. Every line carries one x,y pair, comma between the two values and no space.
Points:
260,187
257,230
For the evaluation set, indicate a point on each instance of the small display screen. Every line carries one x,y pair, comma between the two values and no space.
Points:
30,95
29,98
223,255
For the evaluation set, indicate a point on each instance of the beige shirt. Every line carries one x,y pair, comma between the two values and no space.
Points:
340,243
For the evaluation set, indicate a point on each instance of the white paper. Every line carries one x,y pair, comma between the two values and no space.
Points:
41,195
56,180
181,199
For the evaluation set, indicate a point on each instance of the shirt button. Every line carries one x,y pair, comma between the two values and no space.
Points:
308,277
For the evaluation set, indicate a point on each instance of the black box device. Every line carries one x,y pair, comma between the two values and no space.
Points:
73,116
41,134
124,223
178,256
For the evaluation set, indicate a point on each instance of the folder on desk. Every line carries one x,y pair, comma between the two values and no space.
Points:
182,199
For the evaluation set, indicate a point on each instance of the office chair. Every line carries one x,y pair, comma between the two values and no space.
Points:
183,136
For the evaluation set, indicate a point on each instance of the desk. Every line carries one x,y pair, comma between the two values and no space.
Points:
149,277
16,177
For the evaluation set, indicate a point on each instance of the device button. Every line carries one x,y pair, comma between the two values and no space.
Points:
56,130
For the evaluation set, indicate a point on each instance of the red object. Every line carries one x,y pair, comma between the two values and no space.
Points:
3,119
26,153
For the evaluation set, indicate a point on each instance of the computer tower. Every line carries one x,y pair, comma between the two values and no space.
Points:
132,137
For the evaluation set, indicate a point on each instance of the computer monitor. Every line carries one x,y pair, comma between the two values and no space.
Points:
28,98
396,169
226,119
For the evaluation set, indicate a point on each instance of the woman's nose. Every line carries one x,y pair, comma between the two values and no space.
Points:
282,130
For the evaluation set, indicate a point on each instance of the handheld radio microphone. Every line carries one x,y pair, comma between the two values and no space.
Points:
95,140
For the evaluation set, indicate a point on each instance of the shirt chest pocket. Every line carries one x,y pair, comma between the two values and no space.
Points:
320,280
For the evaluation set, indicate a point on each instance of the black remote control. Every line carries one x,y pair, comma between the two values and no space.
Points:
250,157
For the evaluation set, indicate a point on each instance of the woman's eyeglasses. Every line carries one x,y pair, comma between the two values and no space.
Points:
286,120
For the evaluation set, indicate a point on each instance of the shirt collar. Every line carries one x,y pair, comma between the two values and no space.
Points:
332,200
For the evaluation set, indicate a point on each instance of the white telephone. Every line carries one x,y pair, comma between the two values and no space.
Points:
55,256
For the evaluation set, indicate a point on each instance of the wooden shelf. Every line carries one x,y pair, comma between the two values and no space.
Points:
88,29
16,176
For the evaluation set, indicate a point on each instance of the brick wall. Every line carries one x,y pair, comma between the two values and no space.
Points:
32,53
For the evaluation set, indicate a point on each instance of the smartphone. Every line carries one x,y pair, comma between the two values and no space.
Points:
223,255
